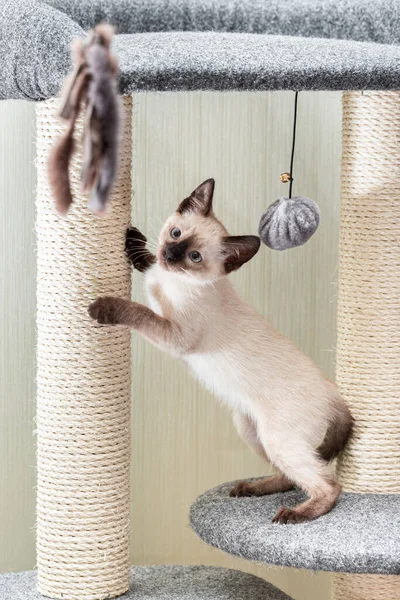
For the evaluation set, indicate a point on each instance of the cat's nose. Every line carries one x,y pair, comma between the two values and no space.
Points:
170,254
176,250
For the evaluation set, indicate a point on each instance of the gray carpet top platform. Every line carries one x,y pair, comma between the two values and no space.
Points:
165,583
360,535
206,44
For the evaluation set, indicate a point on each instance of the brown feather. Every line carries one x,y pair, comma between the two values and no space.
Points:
60,156
58,171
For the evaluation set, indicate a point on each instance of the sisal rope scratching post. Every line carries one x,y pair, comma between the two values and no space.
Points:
368,347
83,379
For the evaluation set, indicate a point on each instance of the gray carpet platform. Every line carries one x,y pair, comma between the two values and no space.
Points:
165,583
206,44
360,535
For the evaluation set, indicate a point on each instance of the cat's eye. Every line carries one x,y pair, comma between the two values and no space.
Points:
195,256
175,233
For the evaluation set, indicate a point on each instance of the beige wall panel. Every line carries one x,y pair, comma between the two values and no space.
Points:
183,440
17,336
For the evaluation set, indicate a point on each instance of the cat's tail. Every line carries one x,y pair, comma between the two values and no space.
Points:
338,433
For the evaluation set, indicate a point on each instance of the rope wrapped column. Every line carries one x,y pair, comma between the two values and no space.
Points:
368,346
83,384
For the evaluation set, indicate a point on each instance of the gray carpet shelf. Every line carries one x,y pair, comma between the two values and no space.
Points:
242,61
165,583
209,44
360,535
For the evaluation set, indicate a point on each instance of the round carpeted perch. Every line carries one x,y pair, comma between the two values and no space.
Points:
206,44
165,583
368,344
360,535
83,384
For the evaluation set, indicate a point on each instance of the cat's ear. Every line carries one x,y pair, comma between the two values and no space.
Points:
200,200
238,249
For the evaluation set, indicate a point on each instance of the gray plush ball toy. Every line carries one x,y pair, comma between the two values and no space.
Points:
289,222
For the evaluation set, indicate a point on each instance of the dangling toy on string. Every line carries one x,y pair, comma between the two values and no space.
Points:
290,221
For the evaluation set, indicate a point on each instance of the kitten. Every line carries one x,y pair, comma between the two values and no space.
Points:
283,406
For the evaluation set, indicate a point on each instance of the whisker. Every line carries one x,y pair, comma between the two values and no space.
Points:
140,253
153,245
136,239
154,231
158,218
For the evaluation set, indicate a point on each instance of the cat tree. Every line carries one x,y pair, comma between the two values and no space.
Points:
83,403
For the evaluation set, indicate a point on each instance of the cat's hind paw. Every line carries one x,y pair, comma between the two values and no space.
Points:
242,489
289,515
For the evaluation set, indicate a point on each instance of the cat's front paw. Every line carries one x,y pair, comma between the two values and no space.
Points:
135,241
107,310
136,251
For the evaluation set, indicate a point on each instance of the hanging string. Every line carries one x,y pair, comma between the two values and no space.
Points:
287,223
293,143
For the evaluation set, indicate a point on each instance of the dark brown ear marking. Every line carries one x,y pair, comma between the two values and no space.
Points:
200,200
238,249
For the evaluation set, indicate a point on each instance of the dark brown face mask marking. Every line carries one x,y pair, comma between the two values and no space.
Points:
177,251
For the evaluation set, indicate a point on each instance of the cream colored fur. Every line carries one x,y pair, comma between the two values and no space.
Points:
281,402
268,383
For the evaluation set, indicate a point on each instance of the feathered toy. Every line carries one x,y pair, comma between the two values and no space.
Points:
92,87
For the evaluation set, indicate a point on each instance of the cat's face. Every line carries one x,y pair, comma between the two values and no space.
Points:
195,245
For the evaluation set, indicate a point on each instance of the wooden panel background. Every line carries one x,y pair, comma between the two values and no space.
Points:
183,440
